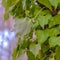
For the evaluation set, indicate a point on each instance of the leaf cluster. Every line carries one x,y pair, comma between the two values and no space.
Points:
37,26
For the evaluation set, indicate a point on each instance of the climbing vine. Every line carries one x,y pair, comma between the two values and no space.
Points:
37,23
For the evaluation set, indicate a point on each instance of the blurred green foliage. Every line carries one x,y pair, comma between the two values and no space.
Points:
37,23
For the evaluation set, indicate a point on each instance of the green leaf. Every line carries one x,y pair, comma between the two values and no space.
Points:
44,48
43,18
14,7
53,41
41,36
23,26
24,44
20,53
57,53
32,10
54,21
17,10
53,32
34,25
37,10
23,57
30,56
14,54
46,3
52,58
9,3
34,48
54,3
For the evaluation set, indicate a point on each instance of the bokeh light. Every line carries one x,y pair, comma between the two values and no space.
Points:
5,37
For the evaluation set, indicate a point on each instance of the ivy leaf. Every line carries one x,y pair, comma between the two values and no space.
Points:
23,57
43,20
18,51
35,25
36,10
32,10
41,36
44,48
53,41
53,32
13,7
46,3
9,3
57,53
34,48
23,26
54,3
51,58
17,10
54,21
24,44
30,56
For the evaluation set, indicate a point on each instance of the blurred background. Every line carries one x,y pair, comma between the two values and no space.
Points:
7,35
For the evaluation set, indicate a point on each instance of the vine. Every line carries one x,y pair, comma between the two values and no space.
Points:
38,28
